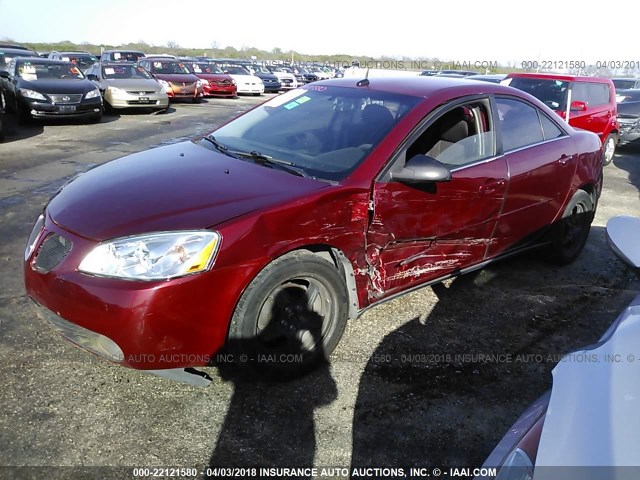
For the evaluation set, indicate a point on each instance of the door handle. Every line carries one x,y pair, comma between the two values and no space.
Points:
564,159
491,187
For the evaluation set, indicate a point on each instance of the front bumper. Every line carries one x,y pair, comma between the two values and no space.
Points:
148,325
37,109
226,90
126,100
250,88
629,130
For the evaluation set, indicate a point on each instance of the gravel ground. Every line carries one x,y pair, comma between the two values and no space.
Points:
434,378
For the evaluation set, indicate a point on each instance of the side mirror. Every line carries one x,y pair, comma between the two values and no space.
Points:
622,237
422,169
92,76
578,106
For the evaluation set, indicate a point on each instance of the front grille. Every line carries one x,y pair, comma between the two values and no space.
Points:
135,92
287,80
223,82
53,250
182,84
65,98
142,102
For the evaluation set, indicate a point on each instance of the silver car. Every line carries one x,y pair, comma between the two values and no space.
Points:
127,85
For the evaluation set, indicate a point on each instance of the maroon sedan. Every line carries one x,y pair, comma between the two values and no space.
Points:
215,83
257,243
175,78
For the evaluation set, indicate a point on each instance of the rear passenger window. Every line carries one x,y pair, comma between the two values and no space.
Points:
597,94
549,129
519,124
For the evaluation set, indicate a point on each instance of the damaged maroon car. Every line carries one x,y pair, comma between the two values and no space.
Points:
262,239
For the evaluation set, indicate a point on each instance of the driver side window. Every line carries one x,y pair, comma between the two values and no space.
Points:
460,136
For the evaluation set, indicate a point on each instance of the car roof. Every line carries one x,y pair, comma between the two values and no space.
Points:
120,51
629,79
422,86
556,76
115,64
73,53
45,60
18,51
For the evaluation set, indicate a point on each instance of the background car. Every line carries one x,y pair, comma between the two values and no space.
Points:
286,78
127,85
178,82
493,78
626,83
494,172
628,115
83,59
38,87
271,82
588,425
215,83
245,82
463,73
121,56
592,102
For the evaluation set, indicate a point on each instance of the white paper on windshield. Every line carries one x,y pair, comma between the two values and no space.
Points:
66,59
109,71
29,77
27,69
117,55
286,97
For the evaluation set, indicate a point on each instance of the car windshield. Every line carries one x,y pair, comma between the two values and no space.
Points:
84,61
624,84
260,69
33,70
236,70
203,67
553,93
112,72
168,67
624,96
127,56
324,131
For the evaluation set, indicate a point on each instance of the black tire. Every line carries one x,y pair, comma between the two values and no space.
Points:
569,235
609,148
291,316
196,100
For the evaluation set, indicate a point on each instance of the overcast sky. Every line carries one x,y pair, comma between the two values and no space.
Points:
462,30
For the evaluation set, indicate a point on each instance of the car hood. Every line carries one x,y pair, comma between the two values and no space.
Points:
267,76
133,84
216,77
181,186
593,418
177,77
49,85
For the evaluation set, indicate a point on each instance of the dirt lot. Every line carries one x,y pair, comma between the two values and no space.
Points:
399,390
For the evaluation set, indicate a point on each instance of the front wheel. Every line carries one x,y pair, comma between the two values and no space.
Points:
609,147
291,316
570,233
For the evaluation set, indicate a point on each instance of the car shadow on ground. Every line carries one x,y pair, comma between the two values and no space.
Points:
439,390
270,422
626,159
13,132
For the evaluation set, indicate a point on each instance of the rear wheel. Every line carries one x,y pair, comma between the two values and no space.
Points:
570,234
609,147
291,316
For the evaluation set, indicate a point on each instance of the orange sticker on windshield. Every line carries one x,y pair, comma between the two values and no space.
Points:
75,70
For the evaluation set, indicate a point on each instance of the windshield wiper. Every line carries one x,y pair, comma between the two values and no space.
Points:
219,146
262,159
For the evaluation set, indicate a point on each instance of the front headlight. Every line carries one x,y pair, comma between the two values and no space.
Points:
155,256
116,91
165,85
517,466
32,94
92,94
